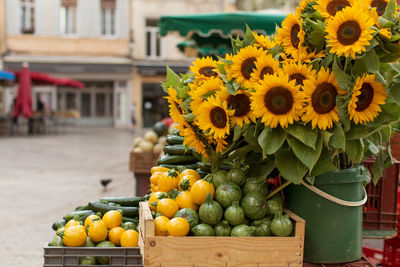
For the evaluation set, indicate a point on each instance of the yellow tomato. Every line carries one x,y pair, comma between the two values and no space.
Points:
115,235
130,238
112,218
186,182
168,181
158,169
73,236
97,231
72,222
167,207
154,188
160,225
89,219
189,172
155,197
155,177
177,227
200,190
184,200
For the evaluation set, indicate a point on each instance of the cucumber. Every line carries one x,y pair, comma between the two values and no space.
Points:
82,214
132,212
132,220
174,139
177,150
202,173
192,166
207,167
177,159
82,208
58,224
124,201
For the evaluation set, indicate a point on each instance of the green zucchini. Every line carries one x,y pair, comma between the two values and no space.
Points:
82,214
82,208
174,139
58,224
192,166
177,150
129,219
202,173
124,201
132,212
177,159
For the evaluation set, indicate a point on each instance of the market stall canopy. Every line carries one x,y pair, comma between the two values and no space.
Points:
23,101
209,33
4,75
39,78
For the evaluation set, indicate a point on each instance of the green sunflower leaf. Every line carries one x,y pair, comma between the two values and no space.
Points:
271,140
327,61
305,154
249,138
240,152
173,80
343,79
303,133
393,89
248,37
372,61
324,163
355,149
382,161
338,139
360,67
356,132
342,104
237,133
390,10
289,166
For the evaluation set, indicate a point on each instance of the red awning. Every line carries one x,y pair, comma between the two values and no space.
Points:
23,102
39,78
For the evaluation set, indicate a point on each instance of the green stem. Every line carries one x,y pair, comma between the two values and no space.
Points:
346,64
380,128
278,189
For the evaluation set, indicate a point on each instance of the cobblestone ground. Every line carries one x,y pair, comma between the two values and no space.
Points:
44,177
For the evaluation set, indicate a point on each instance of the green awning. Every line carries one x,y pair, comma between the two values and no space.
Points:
224,23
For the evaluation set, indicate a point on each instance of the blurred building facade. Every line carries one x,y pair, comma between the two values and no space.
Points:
112,46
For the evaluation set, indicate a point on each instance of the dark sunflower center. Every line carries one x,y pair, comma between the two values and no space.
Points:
240,103
336,5
294,38
365,98
298,77
349,32
208,71
218,117
324,98
380,6
266,70
279,100
247,67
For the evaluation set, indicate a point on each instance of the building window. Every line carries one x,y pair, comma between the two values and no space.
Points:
68,16
107,17
28,16
154,43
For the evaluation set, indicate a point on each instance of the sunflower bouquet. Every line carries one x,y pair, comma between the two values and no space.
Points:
321,94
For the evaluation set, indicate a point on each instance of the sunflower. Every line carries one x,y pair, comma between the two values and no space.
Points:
204,68
276,101
305,6
291,35
214,117
240,104
385,33
379,5
191,139
298,72
263,41
265,64
320,98
349,32
207,89
244,64
219,143
175,110
366,98
329,8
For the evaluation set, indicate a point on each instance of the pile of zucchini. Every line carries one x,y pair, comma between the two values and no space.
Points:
128,205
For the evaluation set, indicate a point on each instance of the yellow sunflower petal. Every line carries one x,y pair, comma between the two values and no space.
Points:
175,110
191,139
329,8
204,69
265,64
291,34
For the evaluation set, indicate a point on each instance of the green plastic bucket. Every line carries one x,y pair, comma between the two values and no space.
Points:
332,209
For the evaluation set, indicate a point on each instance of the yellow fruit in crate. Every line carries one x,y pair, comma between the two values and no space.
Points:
112,218
184,200
89,219
186,182
72,222
155,177
189,172
115,235
168,181
158,169
200,190
73,236
160,223
130,238
153,188
155,197
167,207
97,230
177,227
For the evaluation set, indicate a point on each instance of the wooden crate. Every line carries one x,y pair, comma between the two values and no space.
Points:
189,251
142,162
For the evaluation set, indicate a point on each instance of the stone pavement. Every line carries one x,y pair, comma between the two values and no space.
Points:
42,178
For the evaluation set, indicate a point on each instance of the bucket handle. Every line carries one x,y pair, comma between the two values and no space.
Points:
335,199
